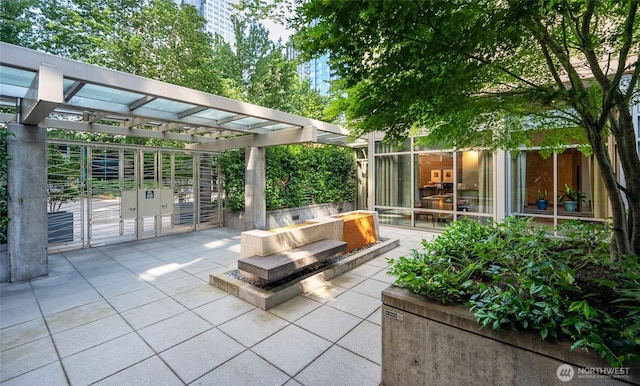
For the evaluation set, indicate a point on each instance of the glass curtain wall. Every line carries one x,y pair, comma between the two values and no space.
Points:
393,183
425,188
561,186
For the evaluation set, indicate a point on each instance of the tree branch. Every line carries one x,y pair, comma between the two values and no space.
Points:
628,37
544,38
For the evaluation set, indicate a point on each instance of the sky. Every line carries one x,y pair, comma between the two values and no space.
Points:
277,31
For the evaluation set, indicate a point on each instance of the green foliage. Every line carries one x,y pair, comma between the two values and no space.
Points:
4,192
232,174
166,42
491,73
258,71
296,175
63,177
512,275
453,67
16,20
161,40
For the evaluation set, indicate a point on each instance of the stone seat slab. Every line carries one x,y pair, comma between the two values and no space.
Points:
282,264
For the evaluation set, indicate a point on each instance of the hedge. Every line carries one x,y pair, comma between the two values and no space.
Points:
296,175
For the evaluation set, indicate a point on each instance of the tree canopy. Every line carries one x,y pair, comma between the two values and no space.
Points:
492,73
161,40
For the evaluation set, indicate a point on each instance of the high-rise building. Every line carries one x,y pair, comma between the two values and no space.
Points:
218,16
198,4
317,71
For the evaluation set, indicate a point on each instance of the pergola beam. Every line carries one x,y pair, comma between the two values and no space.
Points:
120,130
276,138
45,95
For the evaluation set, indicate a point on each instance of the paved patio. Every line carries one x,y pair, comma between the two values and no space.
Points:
143,313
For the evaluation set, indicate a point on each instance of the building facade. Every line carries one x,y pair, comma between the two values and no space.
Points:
318,72
218,16
419,187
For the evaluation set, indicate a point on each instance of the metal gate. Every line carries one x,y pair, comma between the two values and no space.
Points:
105,194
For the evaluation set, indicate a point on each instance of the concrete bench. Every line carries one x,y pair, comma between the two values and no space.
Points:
273,267
264,243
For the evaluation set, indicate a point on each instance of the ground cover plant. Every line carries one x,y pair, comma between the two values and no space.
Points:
516,276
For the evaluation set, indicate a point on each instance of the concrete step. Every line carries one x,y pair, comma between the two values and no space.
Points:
268,269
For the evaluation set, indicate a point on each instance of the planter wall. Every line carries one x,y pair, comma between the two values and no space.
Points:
289,216
428,343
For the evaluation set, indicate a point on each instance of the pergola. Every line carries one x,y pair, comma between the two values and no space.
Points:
55,92
39,91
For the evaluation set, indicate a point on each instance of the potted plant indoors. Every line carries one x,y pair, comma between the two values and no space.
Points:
570,198
63,176
542,201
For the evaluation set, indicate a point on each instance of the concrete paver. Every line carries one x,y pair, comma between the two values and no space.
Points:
143,313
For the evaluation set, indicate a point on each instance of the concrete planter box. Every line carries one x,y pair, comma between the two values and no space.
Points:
289,216
428,343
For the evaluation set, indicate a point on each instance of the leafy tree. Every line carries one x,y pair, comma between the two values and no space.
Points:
492,73
158,39
225,59
168,43
16,20
259,72
84,30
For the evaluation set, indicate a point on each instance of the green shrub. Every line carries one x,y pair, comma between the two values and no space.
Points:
512,275
232,166
296,175
4,192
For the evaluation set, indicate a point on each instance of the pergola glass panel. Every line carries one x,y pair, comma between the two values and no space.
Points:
168,106
15,82
106,94
213,114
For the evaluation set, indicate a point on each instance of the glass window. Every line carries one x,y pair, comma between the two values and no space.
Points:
434,174
474,181
580,192
393,180
418,145
394,217
532,189
433,192
383,147
577,189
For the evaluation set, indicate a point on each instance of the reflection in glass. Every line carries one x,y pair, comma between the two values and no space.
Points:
474,181
393,180
384,147
433,193
534,179
394,217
